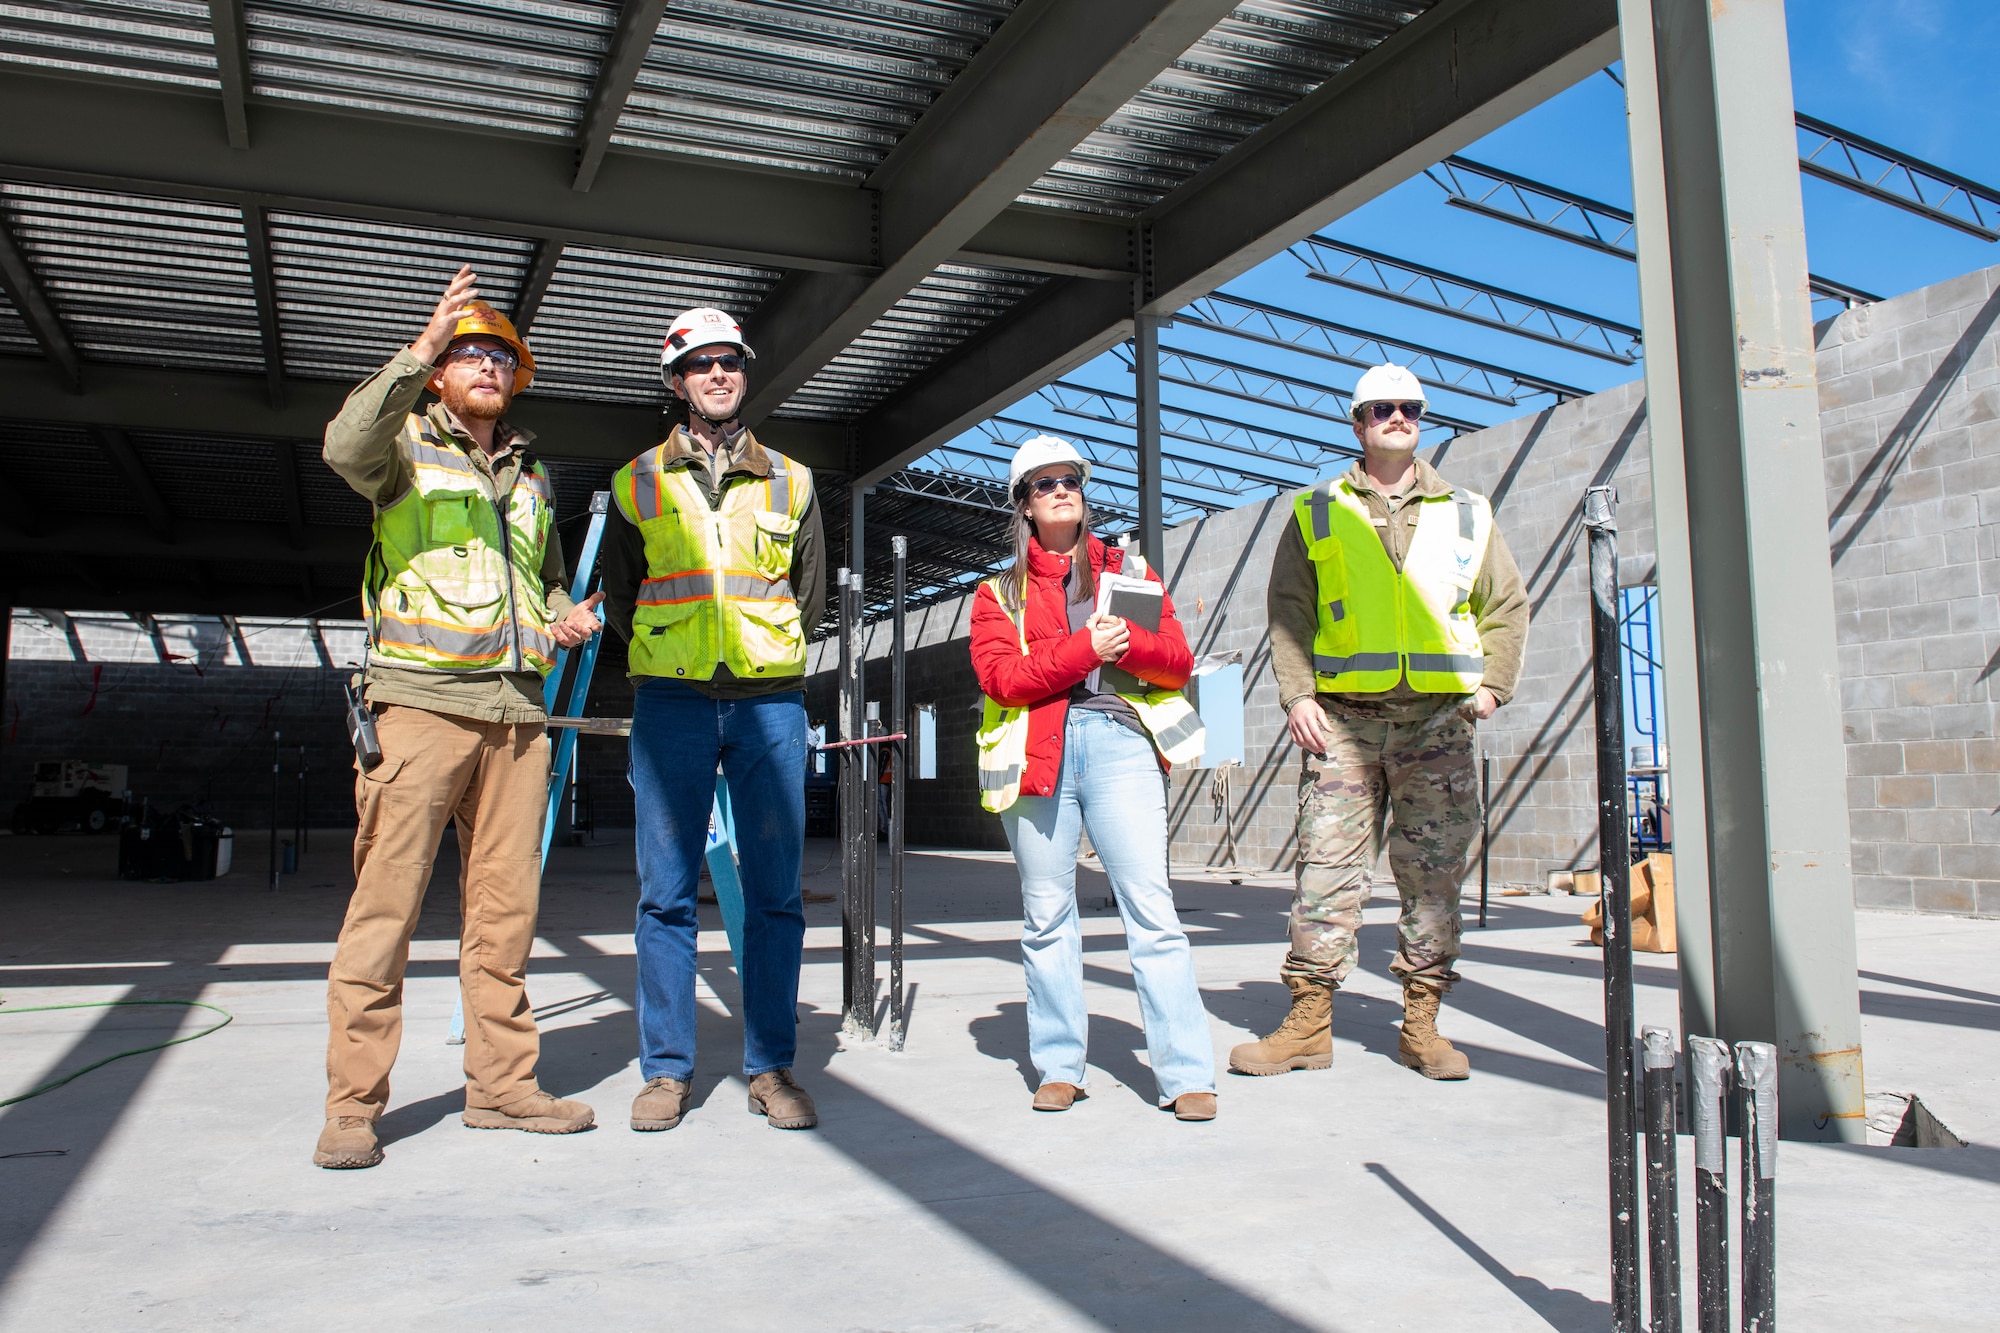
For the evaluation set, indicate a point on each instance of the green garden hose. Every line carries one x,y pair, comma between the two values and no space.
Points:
141,1050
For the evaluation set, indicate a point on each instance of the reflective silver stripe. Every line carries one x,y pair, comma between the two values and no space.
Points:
999,779
1182,730
677,587
1339,610
1319,502
1333,666
781,484
1466,514
1455,663
645,483
537,483
428,455
469,644
756,588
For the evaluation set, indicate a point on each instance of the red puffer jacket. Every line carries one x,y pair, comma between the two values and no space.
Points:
1058,660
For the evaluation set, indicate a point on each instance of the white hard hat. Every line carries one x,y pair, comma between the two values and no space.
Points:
703,326
1388,384
1040,452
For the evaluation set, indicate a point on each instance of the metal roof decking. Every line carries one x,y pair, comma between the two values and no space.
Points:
598,331
1245,73
141,281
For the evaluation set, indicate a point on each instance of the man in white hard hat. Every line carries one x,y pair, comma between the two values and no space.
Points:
1397,618
715,579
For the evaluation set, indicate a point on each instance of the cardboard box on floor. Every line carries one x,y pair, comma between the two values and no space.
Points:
1652,906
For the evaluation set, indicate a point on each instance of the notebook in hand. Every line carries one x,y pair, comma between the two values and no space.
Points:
1138,602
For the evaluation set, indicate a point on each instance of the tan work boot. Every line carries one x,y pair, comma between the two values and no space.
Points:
1194,1106
1058,1096
347,1142
782,1103
660,1104
1420,1047
538,1113
1303,1041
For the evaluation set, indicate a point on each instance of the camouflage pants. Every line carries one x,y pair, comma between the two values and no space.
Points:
1420,775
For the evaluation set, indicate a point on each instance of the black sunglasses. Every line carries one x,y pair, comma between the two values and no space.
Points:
701,365
1385,411
1049,485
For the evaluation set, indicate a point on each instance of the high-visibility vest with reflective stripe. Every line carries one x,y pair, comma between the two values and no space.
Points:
1169,719
454,581
718,580
1377,624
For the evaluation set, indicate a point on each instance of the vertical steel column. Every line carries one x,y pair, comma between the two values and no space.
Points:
6,650
897,721
277,757
1152,492
299,829
1614,866
1485,829
1663,1205
1757,1077
1682,684
1708,1102
1770,723
845,713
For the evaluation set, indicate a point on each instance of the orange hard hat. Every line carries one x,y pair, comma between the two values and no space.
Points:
483,320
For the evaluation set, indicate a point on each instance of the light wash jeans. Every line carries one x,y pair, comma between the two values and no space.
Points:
1110,783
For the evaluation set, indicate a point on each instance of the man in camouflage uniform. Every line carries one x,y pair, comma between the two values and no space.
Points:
1383,665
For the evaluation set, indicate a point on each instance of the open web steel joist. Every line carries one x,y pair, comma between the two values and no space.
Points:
218,216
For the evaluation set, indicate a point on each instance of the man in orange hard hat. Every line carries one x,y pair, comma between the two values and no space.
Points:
466,604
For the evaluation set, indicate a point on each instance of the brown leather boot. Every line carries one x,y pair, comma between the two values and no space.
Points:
347,1142
1303,1041
1058,1096
1420,1047
660,1104
782,1103
538,1113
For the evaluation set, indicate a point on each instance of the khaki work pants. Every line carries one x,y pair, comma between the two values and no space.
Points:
493,778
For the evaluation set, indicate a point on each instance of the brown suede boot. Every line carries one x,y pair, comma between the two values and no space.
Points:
660,1104
782,1103
347,1142
1420,1047
1303,1041
538,1113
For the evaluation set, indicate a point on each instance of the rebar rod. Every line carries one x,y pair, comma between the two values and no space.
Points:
277,756
1615,886
1757,1086
844,795
1708,1103
1663,1207
1485,830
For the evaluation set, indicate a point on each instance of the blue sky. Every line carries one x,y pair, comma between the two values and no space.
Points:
1914,74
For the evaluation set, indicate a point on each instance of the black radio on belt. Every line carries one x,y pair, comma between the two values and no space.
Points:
361,727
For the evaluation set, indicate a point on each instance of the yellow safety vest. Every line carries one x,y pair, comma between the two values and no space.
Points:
454,580
1168,717
1377,624
718,581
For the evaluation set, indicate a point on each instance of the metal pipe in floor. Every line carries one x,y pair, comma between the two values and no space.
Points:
1708,1105
1757,1087
1663,1206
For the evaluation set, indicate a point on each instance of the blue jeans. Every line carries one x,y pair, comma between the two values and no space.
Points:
1110,783
678,738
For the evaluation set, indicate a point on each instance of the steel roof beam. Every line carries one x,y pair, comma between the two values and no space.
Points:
1108,453
1049,75
263,284
24,289
129,137
232,68
535,282
638,23
79,589
1575,218
1894,177
1462,70
144,398
117,448
1274,326
117,538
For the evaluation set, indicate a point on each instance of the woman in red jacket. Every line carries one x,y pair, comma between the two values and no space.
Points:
1090,761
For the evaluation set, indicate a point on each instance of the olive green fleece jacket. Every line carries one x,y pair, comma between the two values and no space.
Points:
625,556
361,447
1499,602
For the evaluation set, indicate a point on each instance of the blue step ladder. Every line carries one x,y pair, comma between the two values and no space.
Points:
566,720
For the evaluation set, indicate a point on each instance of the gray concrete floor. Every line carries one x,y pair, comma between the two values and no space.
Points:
930,1197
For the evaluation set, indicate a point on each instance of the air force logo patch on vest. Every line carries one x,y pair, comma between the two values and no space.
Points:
1378,624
